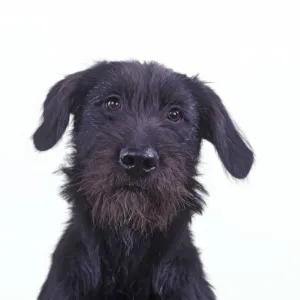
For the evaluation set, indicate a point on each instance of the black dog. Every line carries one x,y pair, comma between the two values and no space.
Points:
131,182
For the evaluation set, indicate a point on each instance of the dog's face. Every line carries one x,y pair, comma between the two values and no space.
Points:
137,134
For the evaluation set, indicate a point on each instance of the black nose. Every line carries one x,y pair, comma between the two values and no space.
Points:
142,160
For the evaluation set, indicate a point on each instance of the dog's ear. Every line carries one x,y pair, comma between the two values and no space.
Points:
56,111
216,126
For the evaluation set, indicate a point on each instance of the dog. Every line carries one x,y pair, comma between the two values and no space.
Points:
131,180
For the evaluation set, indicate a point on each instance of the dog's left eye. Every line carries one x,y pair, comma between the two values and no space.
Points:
113,103
174,115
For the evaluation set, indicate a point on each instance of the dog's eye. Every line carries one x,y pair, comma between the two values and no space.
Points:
174,115
113,103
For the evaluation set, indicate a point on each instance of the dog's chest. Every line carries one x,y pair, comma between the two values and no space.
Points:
138,291
125,270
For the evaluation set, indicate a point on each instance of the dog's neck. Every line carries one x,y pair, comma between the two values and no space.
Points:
127,250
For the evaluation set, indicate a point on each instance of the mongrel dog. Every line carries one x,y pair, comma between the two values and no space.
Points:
131,181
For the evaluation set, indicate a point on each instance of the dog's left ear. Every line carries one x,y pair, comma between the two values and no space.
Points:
57,107
216,126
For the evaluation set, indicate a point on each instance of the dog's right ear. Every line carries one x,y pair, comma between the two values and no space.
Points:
56,111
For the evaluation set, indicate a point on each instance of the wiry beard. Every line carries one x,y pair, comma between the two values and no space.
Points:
135,209
116,200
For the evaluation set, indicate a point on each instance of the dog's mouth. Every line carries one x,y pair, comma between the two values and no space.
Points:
134,188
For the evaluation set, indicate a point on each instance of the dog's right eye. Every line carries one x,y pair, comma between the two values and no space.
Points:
113,103
174,115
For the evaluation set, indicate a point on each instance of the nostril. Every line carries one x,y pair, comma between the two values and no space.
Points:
149,164
128,161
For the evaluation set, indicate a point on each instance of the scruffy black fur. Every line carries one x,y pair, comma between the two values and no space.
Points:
128,236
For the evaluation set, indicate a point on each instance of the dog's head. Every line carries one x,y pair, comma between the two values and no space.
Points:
137,135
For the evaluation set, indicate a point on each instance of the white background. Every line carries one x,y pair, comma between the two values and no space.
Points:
249,234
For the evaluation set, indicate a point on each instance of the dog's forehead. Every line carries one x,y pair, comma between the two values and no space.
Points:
139,74
151,79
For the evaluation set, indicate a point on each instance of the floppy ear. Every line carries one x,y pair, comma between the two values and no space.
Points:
57,108
216,126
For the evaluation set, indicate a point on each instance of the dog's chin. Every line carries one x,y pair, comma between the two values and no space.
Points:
134,206
134,188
